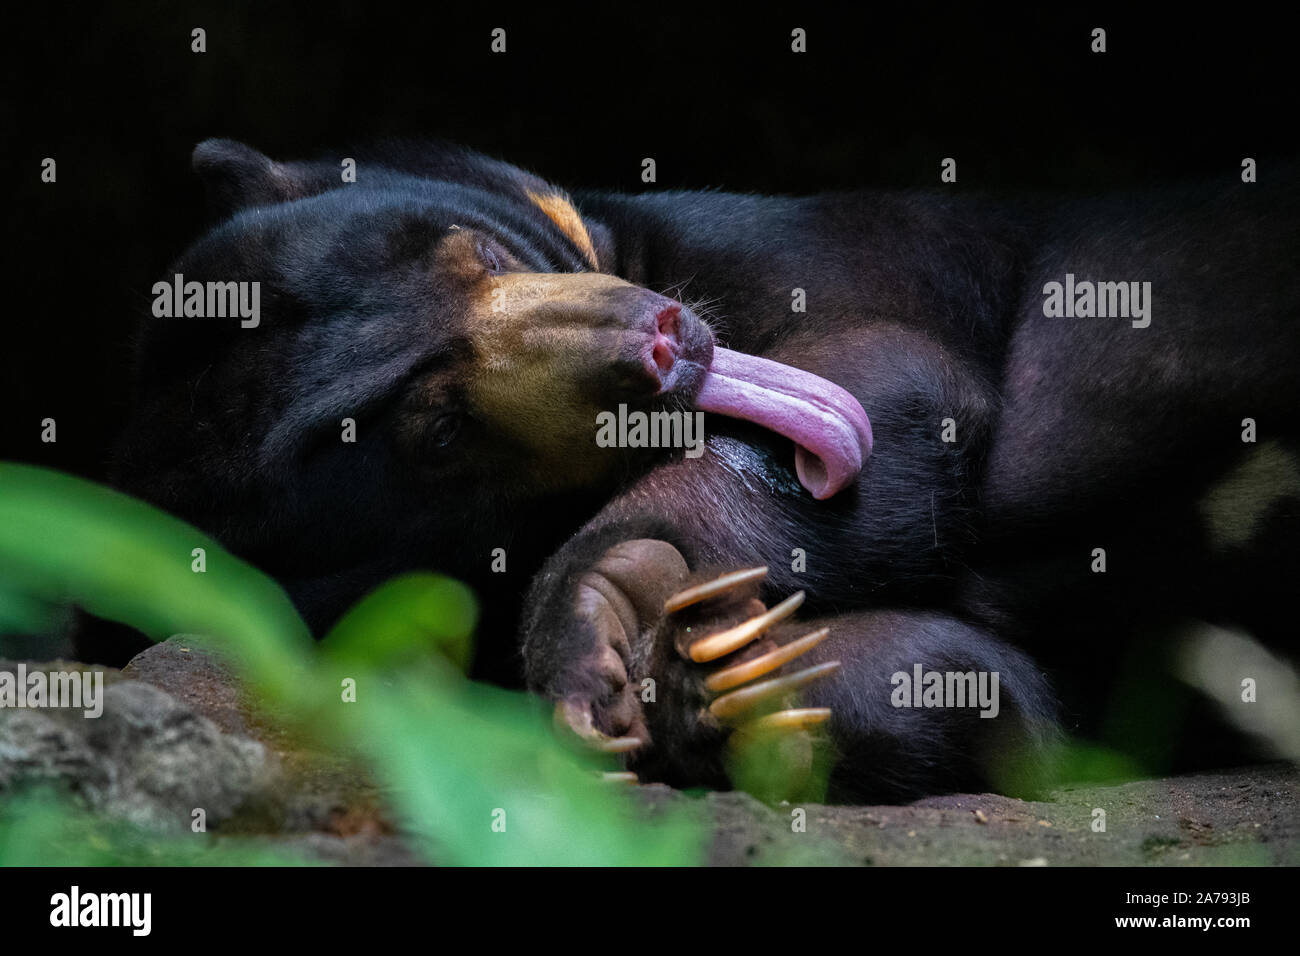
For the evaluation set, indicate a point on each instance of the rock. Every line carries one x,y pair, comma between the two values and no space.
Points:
189,668
148,758
317,791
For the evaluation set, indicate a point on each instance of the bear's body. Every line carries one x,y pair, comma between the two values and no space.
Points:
473,322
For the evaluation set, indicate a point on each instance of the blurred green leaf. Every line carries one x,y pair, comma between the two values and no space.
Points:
456,757
409,616
64,540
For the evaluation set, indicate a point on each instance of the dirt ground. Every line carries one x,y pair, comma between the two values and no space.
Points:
1246,816
183,719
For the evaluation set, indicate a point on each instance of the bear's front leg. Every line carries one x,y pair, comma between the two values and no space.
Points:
653,649
915,702
693,666
910,702
607,607
590,610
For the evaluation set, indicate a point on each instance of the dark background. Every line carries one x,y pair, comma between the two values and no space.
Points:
115,95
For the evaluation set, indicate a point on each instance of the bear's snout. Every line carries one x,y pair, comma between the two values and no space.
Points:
677,344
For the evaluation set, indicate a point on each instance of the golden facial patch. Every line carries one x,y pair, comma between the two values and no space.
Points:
561,212
543,342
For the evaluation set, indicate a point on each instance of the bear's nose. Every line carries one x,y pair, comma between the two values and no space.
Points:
667,343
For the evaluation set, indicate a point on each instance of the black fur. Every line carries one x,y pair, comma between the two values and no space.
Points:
1072,433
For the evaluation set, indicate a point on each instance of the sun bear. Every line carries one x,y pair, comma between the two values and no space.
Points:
933,509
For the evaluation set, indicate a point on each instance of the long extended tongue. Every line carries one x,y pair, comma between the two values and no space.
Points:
826,423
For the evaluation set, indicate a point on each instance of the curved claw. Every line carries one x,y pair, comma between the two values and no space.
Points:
577,720
788,721
702,592
724,642
625,777
738,702
746,671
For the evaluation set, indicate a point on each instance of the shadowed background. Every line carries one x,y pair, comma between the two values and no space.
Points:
116,96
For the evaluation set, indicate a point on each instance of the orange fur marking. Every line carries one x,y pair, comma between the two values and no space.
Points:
561,212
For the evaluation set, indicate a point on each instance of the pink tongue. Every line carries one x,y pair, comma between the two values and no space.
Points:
827,424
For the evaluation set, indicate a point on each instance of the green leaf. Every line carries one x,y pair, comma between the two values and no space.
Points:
456,757
407,617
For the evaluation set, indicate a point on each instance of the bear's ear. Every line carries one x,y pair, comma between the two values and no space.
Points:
237,177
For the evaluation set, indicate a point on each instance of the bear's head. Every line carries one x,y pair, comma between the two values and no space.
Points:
368,365
432,343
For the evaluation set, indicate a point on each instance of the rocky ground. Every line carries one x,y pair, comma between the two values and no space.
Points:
177,733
